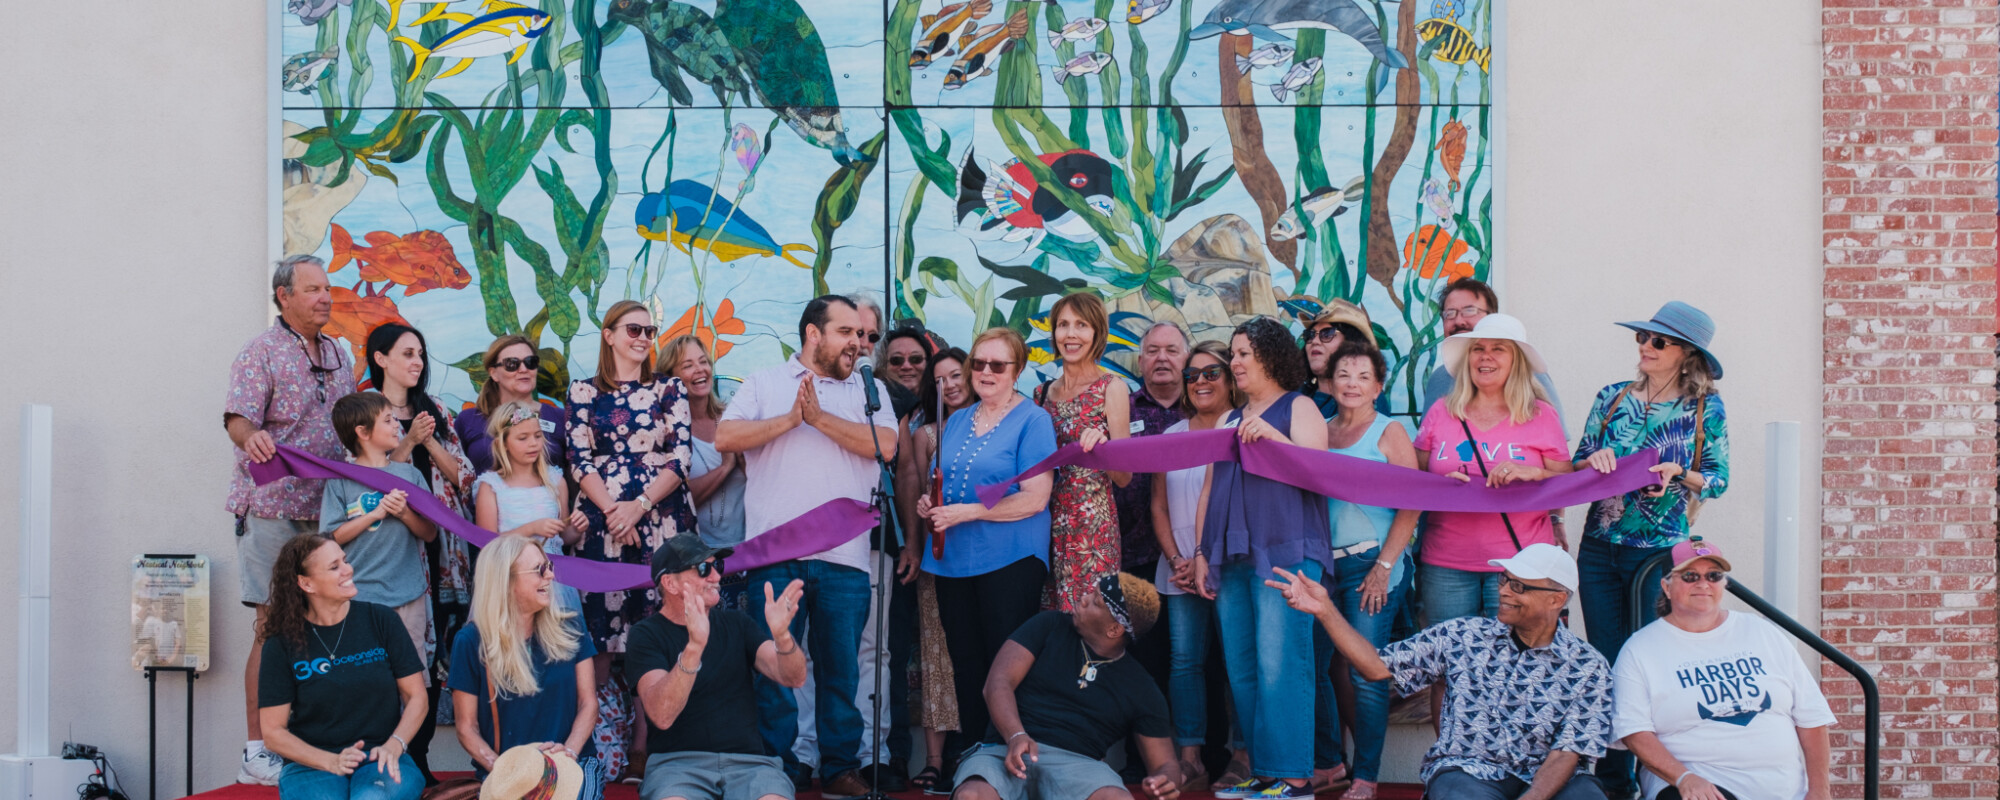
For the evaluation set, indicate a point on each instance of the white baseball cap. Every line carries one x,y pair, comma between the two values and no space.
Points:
1538,561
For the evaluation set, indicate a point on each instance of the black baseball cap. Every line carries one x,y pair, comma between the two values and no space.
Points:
682,553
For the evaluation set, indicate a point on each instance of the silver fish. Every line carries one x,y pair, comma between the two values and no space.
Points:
1077,31
301,71
1138,11
1086,64
1269,55
1437,199
1301,74
1321,205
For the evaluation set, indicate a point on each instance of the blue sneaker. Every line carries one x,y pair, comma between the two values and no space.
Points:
1250,787
1280,790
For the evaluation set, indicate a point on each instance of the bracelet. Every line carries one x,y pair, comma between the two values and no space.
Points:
1384,564
1684,776
679,668
1017,735
795,648
399,740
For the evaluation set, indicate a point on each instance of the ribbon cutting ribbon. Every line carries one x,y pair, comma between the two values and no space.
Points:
825,527
1355,480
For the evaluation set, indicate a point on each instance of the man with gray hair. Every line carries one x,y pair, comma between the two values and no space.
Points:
281,391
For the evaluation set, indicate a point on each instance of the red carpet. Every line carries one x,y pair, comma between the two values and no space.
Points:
239,791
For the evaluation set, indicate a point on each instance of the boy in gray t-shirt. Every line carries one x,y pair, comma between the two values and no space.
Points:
382,536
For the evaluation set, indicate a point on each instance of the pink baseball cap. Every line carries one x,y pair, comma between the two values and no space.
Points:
1695,549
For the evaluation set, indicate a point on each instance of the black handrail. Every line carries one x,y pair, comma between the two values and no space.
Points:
1870,696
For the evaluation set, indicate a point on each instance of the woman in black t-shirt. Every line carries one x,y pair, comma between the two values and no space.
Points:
334,674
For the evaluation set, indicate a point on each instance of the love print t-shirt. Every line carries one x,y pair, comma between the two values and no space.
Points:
1467,540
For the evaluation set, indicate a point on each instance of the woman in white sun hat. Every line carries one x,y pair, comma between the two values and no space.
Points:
1496,426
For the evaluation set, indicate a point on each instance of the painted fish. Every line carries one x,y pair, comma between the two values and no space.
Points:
1138,11
692,216
418,262
1321,205
1268,19
1437,199
396,10
1296,78
782,51
301,71
935,41
503,31
1269,55
1451,150
1008,195
1455,44
1447,9
355,315
1086,64
1077,31
976,60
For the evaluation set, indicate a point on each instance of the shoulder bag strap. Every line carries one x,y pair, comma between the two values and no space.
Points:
1694,460
1604,423
1481,461
493,708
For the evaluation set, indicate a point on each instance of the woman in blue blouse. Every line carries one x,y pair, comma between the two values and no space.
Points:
989,578
1672,407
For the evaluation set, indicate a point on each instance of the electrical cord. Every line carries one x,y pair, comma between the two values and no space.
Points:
101,785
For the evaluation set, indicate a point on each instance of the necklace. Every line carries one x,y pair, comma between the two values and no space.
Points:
335,649
1089,672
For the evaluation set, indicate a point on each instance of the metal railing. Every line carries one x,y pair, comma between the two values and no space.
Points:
1870,696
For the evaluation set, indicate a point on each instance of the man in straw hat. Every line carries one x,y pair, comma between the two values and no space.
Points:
693,664
1528,704
1061,692
530,772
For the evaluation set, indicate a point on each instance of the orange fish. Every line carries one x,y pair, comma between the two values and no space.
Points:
1433,251
1451,150
693,321
418,262
355,316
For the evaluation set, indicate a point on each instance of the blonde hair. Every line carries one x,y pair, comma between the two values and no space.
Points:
669,364
501,648
1694,381
503,461
607,368
1520,393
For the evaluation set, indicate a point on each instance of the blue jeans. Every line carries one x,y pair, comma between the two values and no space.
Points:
1455,784
1449,593
1371,698
369,782
1267,648
1190,619
829,622
1604,585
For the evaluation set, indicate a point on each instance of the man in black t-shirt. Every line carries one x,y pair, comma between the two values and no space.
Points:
692,663
1062,692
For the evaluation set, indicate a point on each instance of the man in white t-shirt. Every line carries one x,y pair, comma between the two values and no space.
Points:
806,439
1717,703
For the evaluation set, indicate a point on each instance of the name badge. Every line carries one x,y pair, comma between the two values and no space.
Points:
1138,427
548,426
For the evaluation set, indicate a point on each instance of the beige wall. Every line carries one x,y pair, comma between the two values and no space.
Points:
1654,151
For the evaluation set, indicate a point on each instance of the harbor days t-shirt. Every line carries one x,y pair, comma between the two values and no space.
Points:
342,685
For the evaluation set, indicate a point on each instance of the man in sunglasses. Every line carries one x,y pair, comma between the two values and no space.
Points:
1460,306
806,438
1527,703
281,391
694,665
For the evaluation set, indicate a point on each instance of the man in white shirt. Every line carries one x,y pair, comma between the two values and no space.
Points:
806,439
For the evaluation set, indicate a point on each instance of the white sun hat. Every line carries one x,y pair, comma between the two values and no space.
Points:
1491,326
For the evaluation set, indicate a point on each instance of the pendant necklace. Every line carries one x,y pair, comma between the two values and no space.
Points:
1089,671
332,651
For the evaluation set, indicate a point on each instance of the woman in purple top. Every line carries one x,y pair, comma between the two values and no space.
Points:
511,370
1252,524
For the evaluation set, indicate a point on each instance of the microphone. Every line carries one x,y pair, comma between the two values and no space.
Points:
866,366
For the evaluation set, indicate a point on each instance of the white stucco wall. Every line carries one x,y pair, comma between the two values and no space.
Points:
1654,151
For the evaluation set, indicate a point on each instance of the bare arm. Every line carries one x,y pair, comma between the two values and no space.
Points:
1395,444
1118,421
1163,525
1555,774
1032,499
1308,427
586,707
1164,778
704,486
785,665
1819,762
664,692
353,528
1009,669
280,739
420,527
739,435
856,437
465,722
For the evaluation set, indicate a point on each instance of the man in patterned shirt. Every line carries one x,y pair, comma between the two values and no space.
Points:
1527,704
281,391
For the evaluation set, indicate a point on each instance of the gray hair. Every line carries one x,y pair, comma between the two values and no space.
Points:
864,300
1169,324
284,274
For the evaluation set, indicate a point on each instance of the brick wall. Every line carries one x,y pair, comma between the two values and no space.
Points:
1908,471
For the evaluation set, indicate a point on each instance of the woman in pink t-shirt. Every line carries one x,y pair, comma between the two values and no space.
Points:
1495,426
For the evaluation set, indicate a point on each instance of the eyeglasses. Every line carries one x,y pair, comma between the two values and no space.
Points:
712,566
1712,576
542,570
915,360
1657,341
1515,585
994,366
1212,372
638,331
1474,312
531,363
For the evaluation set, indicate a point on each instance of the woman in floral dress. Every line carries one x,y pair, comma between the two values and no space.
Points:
1090,406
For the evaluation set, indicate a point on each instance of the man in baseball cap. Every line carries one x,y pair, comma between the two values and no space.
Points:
1527,703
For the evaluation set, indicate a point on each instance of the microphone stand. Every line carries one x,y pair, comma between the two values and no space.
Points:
884,500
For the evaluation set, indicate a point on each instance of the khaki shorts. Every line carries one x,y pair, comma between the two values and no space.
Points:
258,540
416,616
1057,774
713,776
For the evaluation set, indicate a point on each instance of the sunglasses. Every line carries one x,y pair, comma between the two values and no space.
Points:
1468,313
712,566
1657,341
1515,585
638,331
914,360
1712,576
1212,372
531,364
994,366
542,570
873,336
1326,334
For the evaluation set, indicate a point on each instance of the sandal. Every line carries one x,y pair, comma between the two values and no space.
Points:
927,780
1332,779
1360,790
1237,772
1197,778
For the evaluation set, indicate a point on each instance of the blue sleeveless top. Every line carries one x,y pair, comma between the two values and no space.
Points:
1353,524
1256,519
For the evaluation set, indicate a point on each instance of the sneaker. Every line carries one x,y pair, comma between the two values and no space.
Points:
1250,787
260,768
845,786
1280,790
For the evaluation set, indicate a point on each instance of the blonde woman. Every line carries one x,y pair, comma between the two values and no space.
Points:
533,656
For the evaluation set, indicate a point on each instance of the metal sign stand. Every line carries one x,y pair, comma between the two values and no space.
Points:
153,728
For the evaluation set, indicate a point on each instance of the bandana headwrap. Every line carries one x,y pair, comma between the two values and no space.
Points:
1114,599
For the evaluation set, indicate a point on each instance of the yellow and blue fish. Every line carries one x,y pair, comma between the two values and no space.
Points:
1455,44
691,215
506,30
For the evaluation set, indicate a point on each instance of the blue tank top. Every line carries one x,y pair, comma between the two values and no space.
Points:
1353,524
1256,519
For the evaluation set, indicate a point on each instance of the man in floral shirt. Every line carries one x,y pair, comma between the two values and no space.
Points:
281,391
1527,704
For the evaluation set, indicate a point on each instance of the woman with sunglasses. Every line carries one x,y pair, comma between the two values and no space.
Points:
1209,394
1717,704
1673,407
992,562
512,368
531,654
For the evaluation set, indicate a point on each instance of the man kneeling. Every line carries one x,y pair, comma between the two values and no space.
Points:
692,665
1062,693
1528,704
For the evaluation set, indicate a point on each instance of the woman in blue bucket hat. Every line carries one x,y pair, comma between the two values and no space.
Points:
1673,407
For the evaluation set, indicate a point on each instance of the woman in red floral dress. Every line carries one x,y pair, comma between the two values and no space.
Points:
1090,406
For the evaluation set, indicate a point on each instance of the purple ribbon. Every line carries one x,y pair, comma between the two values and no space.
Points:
829,525
1355,480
